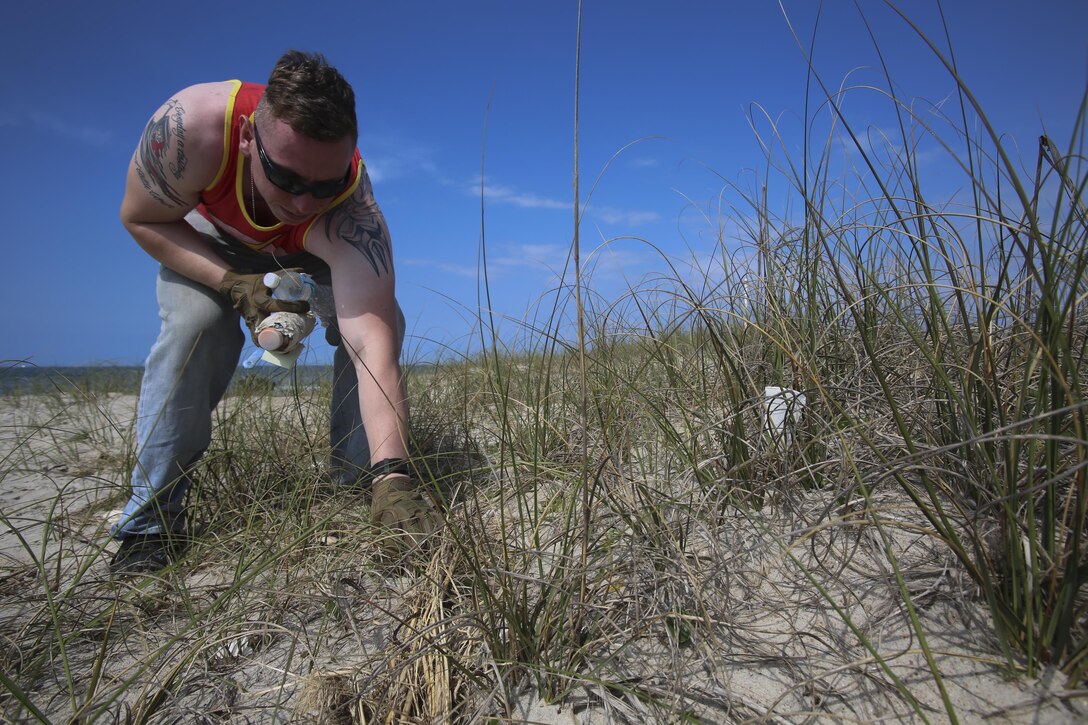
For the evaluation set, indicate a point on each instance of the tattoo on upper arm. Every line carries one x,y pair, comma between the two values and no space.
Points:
164,134
363,227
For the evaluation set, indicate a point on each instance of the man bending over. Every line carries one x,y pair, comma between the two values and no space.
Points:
231,180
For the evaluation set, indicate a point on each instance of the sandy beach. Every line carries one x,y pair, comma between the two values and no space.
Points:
321,632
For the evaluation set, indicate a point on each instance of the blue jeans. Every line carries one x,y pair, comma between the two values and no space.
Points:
187,373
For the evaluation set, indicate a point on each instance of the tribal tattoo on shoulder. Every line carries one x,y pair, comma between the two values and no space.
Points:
163,136
363,227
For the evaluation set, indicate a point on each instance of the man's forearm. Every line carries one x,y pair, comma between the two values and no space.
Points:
180,247
383,402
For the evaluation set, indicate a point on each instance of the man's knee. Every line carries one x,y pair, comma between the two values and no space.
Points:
190,310
201,321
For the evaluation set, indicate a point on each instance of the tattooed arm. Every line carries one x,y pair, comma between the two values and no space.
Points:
360,223
177,156
354,240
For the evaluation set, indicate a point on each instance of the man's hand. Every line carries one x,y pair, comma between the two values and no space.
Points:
400,506
253,299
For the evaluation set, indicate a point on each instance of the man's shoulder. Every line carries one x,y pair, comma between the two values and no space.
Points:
200,117
205,104
183,144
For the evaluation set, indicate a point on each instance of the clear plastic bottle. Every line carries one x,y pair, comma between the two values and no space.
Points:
288,327
291,286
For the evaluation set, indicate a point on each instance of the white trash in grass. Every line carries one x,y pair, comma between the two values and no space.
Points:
782,408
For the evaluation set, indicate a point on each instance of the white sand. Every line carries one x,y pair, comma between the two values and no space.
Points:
770,651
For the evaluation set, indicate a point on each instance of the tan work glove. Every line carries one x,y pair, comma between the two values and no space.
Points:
253,299
399,505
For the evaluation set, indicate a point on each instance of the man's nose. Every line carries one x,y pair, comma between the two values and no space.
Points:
305,204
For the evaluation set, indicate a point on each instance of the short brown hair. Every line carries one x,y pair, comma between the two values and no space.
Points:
311,96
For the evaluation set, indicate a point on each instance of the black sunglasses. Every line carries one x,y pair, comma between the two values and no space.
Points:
291,182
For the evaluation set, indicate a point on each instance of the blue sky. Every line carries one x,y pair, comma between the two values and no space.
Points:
430,78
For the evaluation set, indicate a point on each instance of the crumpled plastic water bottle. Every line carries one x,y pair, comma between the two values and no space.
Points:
291,286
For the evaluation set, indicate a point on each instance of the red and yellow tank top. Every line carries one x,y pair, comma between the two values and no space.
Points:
223,202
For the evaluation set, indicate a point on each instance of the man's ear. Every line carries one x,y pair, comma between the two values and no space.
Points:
245,136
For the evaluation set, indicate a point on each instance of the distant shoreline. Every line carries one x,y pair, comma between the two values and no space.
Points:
27,379
34,379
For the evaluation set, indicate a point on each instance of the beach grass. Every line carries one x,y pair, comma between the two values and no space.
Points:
628,537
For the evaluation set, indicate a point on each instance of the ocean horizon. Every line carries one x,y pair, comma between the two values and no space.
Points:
20,376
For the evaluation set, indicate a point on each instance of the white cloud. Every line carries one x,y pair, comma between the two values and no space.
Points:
386,166
529,256
885,146
508,259
612,262
459,270
375,171
500,194
388,158
506,195
504,260
611,215
539,256
537,251
52,123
